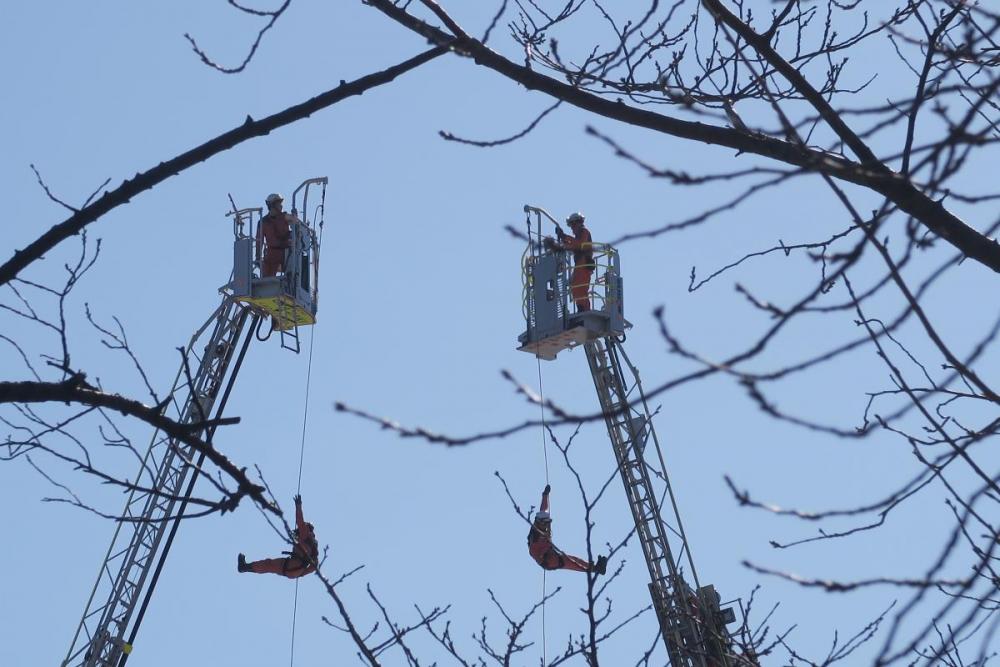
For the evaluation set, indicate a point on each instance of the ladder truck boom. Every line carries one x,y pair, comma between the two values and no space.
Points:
691,622
691,619
101,636
211,363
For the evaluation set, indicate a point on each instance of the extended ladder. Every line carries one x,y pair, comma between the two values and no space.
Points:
690,620
102,638
157,501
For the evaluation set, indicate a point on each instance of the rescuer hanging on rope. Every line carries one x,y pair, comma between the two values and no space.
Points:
582,247
275,229
547,554
300,561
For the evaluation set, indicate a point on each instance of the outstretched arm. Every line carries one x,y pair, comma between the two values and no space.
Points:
545,499
299,519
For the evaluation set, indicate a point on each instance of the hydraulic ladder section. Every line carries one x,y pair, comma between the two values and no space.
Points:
691,623
100,639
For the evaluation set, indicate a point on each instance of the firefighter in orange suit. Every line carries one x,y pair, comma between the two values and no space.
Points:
300,561
582,247
275,229
547,554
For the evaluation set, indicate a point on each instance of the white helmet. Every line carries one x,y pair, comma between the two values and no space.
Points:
273,197
575,218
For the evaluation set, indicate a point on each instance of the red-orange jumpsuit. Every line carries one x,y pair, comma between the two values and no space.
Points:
547,554
276,231
583,266
303,557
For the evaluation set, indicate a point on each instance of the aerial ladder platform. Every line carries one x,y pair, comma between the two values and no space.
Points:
211,363
692,619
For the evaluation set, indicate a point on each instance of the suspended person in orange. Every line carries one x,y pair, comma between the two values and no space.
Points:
301,560
547,554
582,247
275,229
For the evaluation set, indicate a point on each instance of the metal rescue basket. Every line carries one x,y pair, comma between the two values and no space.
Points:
550,326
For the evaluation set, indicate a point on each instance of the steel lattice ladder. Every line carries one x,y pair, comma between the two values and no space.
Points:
101,638
689,640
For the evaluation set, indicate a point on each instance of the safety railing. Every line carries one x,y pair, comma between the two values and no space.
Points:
601,291
299,270
246,225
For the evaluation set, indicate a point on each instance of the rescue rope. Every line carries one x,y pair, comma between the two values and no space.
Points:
541,400
298,485
545,449
305,413
544,640
545,456
305,422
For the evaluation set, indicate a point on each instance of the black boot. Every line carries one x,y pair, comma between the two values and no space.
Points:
241,564
602,565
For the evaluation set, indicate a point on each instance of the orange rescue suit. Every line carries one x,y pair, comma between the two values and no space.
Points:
582,246
301,559
547,554
276,231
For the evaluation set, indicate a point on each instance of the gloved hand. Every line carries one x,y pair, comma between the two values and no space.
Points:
547,489
549,243
298,499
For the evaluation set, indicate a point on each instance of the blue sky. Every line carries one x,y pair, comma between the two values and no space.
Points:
420,311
